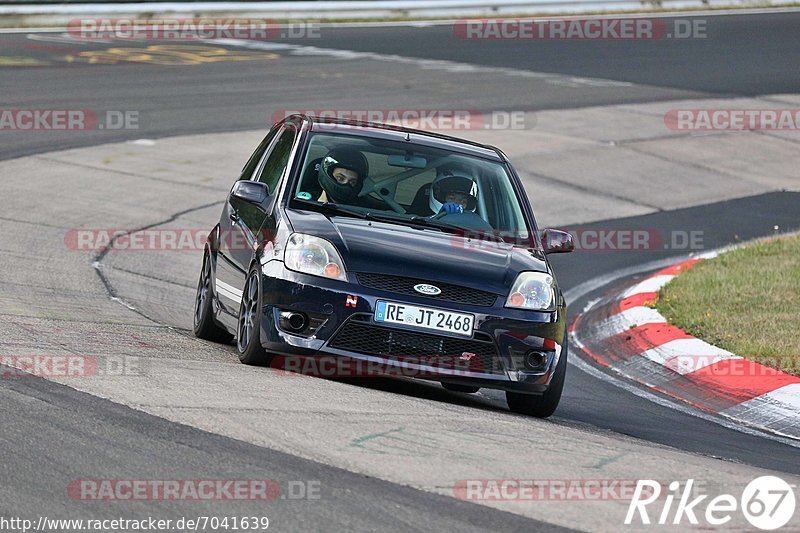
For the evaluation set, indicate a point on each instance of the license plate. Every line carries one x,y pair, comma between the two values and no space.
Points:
425,318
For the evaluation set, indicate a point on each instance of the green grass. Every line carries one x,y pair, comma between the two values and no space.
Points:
746,301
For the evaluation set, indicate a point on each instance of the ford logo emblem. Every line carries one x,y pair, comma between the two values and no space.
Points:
427,290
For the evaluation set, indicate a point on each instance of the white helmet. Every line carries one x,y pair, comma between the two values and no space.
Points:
453,177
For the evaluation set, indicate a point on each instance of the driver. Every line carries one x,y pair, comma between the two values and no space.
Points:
341,175
453,193
454,197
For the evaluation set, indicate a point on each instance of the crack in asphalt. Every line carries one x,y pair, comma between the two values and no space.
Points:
61,345
97,261
124,173
767,133
155,278
42,224
590,190
73,321
690,164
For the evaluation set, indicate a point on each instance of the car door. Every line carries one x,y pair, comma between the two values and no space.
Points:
249,224
273,173
229,276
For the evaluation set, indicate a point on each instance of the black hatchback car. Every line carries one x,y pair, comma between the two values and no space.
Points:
399,249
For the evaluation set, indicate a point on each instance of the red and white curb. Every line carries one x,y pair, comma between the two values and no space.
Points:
623,333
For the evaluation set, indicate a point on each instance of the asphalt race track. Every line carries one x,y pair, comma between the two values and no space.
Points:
197,414
741,55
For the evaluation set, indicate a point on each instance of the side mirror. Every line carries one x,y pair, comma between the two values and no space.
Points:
252,192
556,241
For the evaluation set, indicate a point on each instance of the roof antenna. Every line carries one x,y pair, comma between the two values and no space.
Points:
408,136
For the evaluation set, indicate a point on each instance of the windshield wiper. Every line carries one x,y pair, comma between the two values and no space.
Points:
334,208
415,220
466,232
433,223
381,217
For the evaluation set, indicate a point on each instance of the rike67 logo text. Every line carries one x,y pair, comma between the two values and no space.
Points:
767,502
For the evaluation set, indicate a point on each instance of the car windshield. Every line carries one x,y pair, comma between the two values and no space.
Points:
410,183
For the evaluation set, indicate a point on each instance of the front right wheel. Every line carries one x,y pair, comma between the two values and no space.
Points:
541,406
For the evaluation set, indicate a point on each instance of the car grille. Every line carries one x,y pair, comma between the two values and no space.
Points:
421,348
450,293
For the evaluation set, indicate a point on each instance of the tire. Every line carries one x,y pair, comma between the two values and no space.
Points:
468,389
204,325
248,329
544,405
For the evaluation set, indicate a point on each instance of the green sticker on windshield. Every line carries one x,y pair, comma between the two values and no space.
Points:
303,195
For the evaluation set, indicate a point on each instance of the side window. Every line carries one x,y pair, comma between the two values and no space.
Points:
276,162
255,159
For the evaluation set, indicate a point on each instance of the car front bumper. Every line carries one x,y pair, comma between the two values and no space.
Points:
341,326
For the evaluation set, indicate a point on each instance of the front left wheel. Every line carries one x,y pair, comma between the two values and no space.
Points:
248,330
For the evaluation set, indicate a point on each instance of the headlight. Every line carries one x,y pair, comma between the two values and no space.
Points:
315,256
534,291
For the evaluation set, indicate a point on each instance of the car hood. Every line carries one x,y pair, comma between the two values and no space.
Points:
417,252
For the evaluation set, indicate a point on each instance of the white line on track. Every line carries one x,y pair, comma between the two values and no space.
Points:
445,22
426,64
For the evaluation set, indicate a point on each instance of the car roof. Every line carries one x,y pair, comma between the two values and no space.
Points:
399,133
